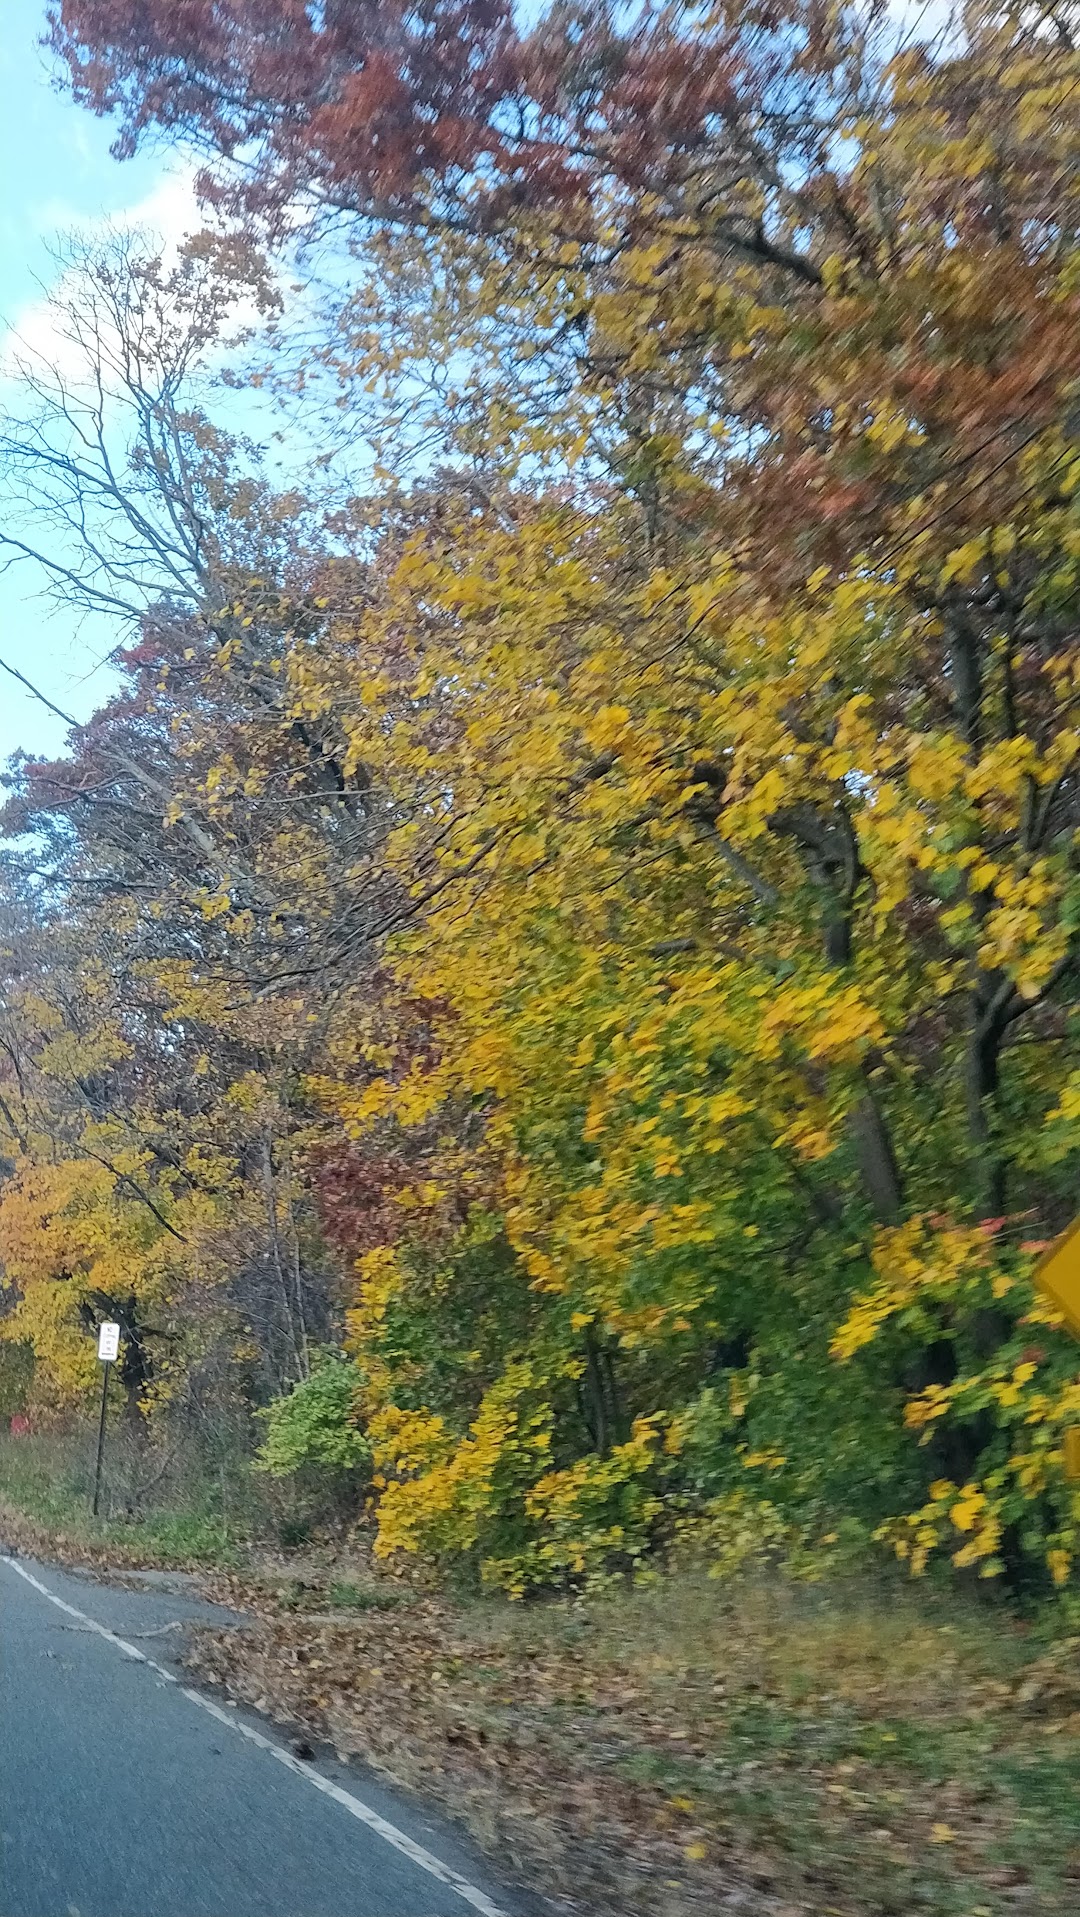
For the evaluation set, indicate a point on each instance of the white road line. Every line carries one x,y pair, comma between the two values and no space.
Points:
469,1893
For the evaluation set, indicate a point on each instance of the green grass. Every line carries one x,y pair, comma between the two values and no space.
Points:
50,1481
39,1478
346,1596
889,1748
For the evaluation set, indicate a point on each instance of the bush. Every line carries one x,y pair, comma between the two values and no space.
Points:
315,1426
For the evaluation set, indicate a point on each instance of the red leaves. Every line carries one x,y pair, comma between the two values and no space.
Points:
360,103
355,1189
387,111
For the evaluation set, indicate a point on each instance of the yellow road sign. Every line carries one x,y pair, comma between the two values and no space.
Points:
1058,1274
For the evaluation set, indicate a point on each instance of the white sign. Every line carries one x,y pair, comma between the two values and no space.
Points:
108,1344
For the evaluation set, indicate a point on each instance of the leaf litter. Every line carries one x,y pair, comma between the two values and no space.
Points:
758,1747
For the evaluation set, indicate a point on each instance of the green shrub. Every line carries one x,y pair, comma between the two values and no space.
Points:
315,1426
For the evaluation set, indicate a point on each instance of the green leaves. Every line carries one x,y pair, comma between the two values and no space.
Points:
317,1426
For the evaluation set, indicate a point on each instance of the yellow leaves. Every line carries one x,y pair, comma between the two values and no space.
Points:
380,1273
441,1492
1059,1564
674,846
861,1325
622,797
608,728
768,1459
890,428
923,1410
965,1513
68,1238
833,1022
1031,1470
964,562
982,1545
999,773
1009,1391
214,905
642,263
936,768
918,1260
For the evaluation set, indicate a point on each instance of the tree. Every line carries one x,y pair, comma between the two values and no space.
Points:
154,1171
716,713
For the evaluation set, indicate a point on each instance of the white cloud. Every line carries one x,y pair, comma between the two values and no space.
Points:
37,336
171,212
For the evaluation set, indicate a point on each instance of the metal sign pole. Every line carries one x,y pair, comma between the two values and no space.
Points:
107,1367
107,1351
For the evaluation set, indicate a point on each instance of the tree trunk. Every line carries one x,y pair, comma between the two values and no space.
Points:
982,1079
877,1161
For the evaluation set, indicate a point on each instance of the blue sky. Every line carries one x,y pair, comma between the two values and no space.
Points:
57,172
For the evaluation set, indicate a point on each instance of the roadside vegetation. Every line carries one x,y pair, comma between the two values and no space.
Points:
545,1002
761,1746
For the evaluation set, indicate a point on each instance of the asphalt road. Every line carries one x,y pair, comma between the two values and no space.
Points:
125,1794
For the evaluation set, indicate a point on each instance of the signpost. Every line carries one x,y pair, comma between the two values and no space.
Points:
108,1351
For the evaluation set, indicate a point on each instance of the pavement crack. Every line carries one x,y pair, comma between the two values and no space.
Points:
92,1630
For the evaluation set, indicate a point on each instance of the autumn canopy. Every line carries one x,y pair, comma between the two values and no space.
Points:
572,916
